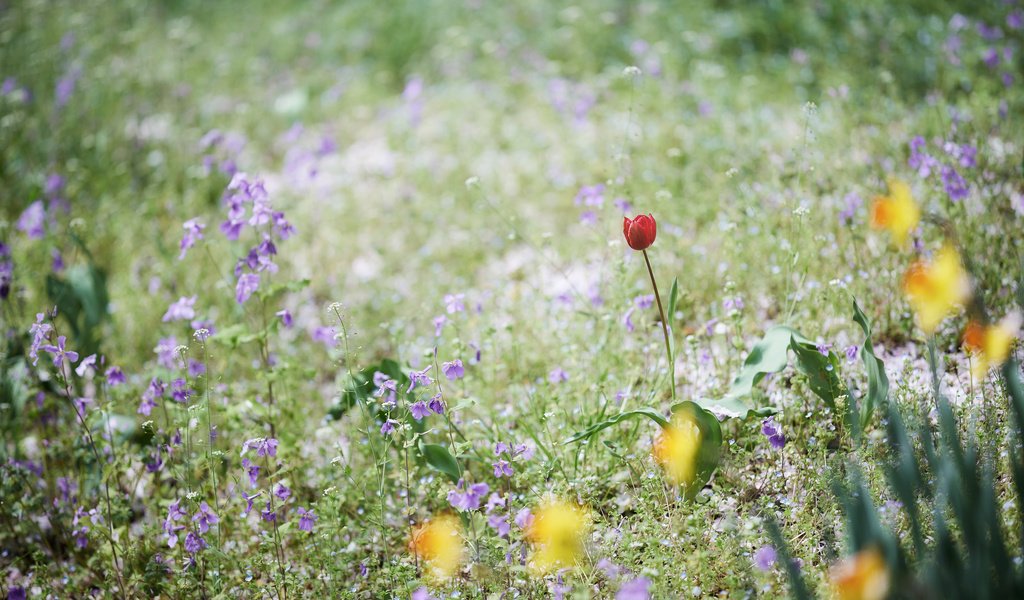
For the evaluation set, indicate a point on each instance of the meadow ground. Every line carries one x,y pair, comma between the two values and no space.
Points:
334,299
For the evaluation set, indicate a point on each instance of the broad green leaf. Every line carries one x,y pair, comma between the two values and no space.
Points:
287,286
822,371
231,336
878,382
650,413
710,444
770,355
439,458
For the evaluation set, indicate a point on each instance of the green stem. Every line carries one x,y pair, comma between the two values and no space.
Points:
664,327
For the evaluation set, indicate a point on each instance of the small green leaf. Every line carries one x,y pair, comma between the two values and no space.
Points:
650,413
878,382
822,371
439,458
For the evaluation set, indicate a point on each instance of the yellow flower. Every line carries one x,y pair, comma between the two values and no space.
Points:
935,289
439,543
896,212
862,576
557,533
676,448
990,344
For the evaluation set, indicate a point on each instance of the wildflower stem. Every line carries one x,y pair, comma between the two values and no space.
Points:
664,327
106,486
278,549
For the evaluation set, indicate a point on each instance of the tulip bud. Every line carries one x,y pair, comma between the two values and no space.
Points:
639,231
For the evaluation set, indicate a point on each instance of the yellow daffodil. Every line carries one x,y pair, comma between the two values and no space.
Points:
990,345
896,212
676,448
936,288
557,532
438,542
862,576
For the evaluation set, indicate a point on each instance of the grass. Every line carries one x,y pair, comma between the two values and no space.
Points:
745,133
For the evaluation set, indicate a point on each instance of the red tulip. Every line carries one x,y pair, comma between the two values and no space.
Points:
640,231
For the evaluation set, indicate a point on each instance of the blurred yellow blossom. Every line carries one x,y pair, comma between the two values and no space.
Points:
557,532
990,344
676,448
896,212
862,576
936,288
439,543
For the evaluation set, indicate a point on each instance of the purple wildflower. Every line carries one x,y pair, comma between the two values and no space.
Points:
247,284
644,301
325,335
453,370
853,202
920,161
500,524
824,348
638,589
193,233
454,303
306,519
31,221
558,375
263,446
436,404
524,518
286,318
66,86
282,492
419,378
1015,20
773,432
204,518
956,187
88,364
268,514
182,310
56,260
115,376
590,195
764,558
468,499
439,323
502,469
388,426
59,353
851,353
194,543
419,410
165,354
252,470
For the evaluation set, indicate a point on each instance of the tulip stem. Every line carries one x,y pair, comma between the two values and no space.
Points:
664,327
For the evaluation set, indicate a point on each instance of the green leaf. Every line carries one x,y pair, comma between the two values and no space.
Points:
673,299
878,382
232,335
710,452
81,298
288,286
440,459
650,413
770,355
822,371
